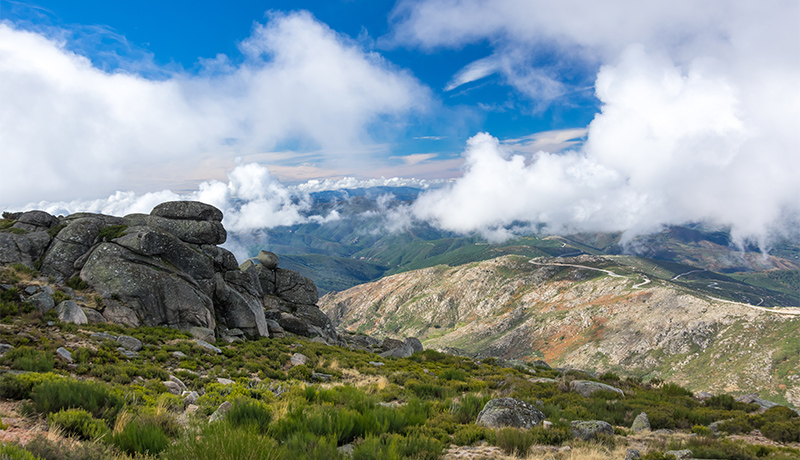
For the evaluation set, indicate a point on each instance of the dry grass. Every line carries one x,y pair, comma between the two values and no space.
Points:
578,453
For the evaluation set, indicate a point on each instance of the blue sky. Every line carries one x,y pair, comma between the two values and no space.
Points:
580,115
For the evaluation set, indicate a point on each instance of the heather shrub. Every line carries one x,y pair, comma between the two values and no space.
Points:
247,412
29,359
222,441
141,436
78,422
55,395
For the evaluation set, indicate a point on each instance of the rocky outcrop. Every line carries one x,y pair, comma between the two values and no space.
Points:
164,269
586,388
509,412
591,429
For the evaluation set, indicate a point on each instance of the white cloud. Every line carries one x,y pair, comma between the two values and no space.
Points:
70,130
697,123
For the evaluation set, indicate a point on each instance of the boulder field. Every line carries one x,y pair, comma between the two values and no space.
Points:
166,269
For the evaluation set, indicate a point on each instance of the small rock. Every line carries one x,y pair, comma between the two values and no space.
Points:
130,343
632,454
127,353
586,430
93,316
41,301
49,290
542,380
547,424
703,395
64,354
203,333
208,346
172,378
192,408
235,332
298,359
346,450
321,377
376,363
179,354
31,290
4,347
223,381
641,423
509,412
69,312
172,387
103,336
684,454
190,397
268,259
220,412
586,388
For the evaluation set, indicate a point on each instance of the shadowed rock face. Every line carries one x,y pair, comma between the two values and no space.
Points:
165,269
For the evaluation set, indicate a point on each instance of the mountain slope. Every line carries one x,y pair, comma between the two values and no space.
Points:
594,313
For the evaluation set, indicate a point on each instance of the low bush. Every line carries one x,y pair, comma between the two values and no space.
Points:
397,447
222,441
78,422
782,431
468,409
249,413
141,436
300,372
55,395
14,452
20,386
29,359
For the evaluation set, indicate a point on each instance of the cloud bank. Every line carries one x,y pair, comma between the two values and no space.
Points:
698,115
70,130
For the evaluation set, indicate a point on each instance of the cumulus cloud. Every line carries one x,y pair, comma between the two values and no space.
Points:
698,101
69,129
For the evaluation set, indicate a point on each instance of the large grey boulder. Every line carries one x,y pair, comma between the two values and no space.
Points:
187,210
586,430
414,343
148,241
223,259
288,285
23,249
403,351
509,412
191,231
586,388
69,245
117,313
268,259
159,294
36,221
241,310
752,398
69,312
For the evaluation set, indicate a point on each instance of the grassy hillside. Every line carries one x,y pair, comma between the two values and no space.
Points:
112,403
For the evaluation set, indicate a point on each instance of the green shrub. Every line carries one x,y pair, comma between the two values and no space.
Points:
301,372
80,423
783,431
19,386
453,374
68,450
428,390
76,283
221,441
247,412
29,359
141,437
14,452
55,395
467,435
469,408
111,232
54,230
307,446
396,447
701,430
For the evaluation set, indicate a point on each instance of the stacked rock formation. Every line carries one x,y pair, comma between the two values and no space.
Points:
165,269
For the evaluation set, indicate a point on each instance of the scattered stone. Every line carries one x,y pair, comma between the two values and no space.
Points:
547,424
684,454
127,353
275,329
192,408
220,412
31,290
346,450
93,316
223,381
703,395
172,387
509,412
376,363
208,346
321,377
268,260
753,398
172,378
586,430
41,301
298,359
190,397
69,312
103,336
586,388
130,343
641,423
235,332
179,354
403,351
64,354
632,454
542,380
4,347
203,333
